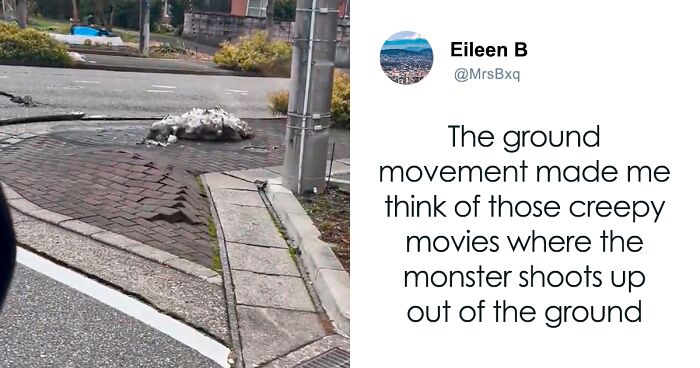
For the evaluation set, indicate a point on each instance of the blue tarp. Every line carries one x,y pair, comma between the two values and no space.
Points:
78,30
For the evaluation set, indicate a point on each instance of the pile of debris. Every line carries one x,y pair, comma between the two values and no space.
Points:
199,124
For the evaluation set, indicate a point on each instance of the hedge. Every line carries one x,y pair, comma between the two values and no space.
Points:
340,102
31,47
255,53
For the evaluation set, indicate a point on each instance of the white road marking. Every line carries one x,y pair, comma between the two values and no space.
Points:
88,82
179,331
65,87
158,91
164,87
237,91
4,77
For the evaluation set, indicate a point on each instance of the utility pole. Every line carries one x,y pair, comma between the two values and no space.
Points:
145,27
22,13
309,117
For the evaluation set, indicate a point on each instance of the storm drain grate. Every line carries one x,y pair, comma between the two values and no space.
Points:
334,358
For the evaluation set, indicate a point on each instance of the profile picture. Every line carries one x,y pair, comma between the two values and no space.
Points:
406,57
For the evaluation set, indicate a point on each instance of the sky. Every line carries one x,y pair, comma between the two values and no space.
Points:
404,35
405,40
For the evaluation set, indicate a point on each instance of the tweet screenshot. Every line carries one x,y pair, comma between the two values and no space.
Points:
524,185
178,181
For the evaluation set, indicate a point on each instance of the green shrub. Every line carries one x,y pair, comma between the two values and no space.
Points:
279,102
30,46
162,28
255,54
169,49
340,101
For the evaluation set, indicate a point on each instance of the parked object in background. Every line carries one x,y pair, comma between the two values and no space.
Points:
83,40
83,30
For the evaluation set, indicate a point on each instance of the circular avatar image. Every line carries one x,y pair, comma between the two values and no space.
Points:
406,57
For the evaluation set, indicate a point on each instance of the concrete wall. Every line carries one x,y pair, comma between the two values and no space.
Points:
215,28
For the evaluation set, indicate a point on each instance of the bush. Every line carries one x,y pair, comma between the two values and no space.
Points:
30,46
255,54
162,28
340,101
168,49
279,102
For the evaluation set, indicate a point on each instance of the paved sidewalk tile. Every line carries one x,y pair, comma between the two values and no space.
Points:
229,197
269,333
249,225
219,180
261,259
105,179
271,291
253,174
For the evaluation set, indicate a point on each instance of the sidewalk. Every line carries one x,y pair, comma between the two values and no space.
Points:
121,213
270,288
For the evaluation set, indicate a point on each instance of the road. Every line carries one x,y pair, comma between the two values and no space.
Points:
46,323
57,90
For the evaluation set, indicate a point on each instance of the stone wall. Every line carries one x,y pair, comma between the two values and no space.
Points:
215,28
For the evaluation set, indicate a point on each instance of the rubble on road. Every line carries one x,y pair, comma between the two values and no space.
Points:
77,57
199,124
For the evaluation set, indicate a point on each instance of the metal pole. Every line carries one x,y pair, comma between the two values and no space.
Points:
145,27
307,90
308,123
330,166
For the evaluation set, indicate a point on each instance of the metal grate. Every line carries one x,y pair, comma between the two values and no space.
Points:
334,358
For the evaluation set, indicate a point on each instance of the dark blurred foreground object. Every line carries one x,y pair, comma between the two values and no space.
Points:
7,248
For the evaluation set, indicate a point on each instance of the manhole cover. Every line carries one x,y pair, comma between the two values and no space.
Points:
103,137
334,358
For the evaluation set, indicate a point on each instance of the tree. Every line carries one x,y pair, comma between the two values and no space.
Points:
22,13
285,9
76,16
270,15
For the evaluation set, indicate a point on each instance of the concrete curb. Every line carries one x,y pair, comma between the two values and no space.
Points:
236,357
104,52
134,69
16,201
331,281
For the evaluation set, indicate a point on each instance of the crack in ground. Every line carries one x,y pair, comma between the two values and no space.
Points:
26,100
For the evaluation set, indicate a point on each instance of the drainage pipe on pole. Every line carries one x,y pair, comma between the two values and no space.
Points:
308,123
307,90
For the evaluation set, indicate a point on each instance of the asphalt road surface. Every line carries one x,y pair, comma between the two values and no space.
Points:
57,90
46,323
